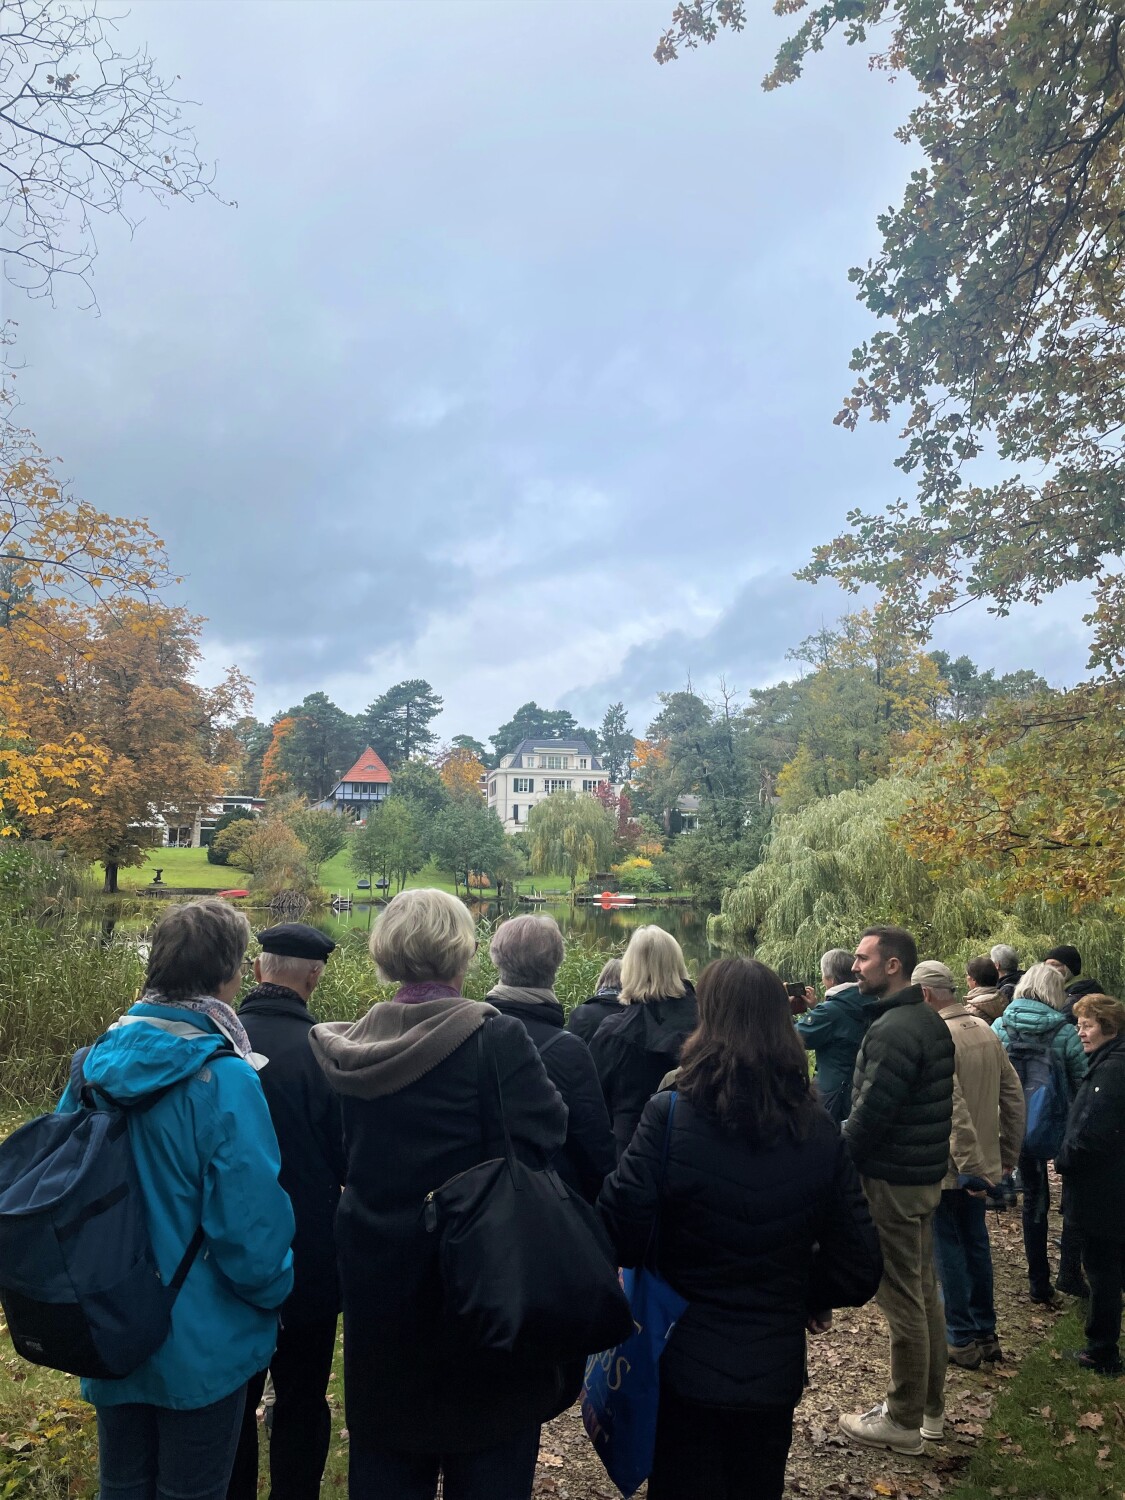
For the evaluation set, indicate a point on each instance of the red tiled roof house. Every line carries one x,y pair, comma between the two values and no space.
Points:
361,788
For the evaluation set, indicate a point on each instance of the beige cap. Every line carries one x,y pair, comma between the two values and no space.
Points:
934,976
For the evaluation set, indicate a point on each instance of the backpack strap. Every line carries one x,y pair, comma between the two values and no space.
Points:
550,1042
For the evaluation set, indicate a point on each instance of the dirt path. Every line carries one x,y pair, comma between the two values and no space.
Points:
848,1372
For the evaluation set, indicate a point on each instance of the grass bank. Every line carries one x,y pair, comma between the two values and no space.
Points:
1055,1430
189,867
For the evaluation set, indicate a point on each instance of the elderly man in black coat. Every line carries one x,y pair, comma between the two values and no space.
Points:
307,1117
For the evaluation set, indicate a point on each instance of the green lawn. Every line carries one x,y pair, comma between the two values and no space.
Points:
189,867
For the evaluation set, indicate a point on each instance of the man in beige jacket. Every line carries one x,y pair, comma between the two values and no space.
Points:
988,1126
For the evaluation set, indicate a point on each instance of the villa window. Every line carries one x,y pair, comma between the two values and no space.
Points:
583,764
590,786
523,784
515,812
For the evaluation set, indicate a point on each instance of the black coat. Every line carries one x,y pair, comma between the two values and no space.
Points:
585,1019
588,1156
1092,1156
1078,991
902,1093
633,1050
410,1382
755,1239
310,1135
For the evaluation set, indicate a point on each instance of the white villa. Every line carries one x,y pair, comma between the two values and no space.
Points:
534,770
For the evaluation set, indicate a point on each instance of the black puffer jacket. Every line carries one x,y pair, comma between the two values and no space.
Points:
633,1051
754,1238
585,1019
902,1093
588,1156
1092,1156
310,1136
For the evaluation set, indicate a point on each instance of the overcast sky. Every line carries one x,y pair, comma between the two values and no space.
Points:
514,367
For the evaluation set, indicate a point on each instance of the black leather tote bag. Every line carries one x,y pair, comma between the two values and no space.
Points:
526,1267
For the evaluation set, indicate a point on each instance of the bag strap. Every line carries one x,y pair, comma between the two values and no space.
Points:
484,1046
655,1230
550,1042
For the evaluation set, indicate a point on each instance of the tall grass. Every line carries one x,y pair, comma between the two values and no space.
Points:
63,980
351,986
60,986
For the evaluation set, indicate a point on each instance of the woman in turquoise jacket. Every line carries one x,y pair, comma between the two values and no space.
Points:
1037,1012
206,1154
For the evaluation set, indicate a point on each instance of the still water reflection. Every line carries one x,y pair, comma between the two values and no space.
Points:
595,928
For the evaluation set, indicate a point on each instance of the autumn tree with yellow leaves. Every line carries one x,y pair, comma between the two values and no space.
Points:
461,772
122,678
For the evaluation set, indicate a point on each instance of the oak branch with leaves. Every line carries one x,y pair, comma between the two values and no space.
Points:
1000,287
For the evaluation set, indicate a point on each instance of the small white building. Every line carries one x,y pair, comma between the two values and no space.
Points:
535,770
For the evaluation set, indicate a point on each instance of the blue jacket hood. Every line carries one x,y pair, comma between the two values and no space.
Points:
133,1059
1032,1017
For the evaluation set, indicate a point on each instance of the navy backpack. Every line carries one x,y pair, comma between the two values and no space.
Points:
1041,1071
79,1284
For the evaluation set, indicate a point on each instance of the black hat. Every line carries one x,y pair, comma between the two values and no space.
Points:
296,940
1066,955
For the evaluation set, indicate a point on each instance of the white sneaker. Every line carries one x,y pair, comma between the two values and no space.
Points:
933,1428
876,1429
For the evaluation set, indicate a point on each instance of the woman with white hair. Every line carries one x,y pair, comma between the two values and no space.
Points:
422,1402
527,952
634,1049
1037,1014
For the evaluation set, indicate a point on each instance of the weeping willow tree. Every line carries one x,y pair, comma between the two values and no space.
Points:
839,865
570,833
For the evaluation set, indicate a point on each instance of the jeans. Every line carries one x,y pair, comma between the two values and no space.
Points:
1036,1203
302,1422
909,1299
505,1472
719,1452
155,1453
964,1263
1105,1267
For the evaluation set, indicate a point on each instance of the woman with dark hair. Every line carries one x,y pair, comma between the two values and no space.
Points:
762,1227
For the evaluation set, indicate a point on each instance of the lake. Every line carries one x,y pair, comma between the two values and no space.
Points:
602,930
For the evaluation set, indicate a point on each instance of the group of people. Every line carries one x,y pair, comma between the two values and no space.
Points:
765,1198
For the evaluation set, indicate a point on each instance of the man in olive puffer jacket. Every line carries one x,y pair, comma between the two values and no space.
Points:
898,1133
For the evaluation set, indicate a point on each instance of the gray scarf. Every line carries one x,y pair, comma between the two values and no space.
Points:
392,1046
524,994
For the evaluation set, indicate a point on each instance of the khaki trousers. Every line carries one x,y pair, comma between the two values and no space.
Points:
909,1298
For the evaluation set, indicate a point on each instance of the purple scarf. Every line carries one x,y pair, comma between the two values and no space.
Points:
426,989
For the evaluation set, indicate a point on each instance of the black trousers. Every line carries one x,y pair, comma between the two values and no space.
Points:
1105,1269
1036,1204
302,1422
719,1452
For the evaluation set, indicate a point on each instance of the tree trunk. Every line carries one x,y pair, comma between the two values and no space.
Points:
109,887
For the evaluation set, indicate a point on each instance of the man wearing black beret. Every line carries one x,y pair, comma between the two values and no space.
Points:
306,1116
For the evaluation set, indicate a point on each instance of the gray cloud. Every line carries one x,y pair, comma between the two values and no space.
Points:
515,365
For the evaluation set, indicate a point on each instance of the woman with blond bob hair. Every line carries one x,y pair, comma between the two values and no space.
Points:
635,1048
422,1403
1092,1161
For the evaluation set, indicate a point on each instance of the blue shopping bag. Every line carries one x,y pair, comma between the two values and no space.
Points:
621,1393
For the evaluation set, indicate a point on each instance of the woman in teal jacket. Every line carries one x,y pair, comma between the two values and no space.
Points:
1037,1012
206,1154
